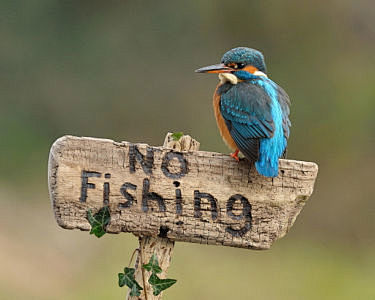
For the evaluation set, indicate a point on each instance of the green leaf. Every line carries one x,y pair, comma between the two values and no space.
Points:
153,265
177,135
99,221
135,291
159,285
127,278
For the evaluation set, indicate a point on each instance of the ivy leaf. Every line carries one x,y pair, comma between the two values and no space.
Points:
127,278
99,221
177,135
135,291
153,265
159,285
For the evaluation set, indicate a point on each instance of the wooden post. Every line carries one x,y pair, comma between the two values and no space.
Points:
161,246
174,193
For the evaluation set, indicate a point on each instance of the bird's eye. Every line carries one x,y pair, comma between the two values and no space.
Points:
236,65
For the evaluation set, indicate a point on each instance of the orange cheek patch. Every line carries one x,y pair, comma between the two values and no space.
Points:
250,69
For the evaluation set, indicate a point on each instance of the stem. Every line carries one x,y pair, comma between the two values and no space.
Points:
131,259
143,271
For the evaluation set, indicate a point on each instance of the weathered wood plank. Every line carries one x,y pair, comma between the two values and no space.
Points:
196,196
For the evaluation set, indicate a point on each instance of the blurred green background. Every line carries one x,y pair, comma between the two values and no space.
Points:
124,70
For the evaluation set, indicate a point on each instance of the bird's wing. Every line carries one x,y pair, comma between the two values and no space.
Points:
246,109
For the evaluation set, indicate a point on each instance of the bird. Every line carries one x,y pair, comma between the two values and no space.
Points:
251,110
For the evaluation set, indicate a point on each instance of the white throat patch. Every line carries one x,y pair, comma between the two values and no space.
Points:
259,73
224,77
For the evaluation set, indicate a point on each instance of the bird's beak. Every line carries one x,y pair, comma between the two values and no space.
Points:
219,68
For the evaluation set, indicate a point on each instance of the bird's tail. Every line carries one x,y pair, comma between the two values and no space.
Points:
267,168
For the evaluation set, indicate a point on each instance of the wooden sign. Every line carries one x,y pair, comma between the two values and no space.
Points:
192,196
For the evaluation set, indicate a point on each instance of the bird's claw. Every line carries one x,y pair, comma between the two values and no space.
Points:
235,155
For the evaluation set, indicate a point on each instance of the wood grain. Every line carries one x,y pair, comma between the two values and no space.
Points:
190,196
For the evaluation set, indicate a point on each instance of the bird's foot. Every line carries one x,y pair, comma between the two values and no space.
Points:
235,155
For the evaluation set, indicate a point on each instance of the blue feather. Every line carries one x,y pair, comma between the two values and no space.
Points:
270,150
244,75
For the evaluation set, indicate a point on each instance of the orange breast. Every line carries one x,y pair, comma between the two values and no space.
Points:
221,122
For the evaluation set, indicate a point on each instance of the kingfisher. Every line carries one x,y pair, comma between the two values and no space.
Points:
251,111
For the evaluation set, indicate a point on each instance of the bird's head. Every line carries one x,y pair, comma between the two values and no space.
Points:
238,64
